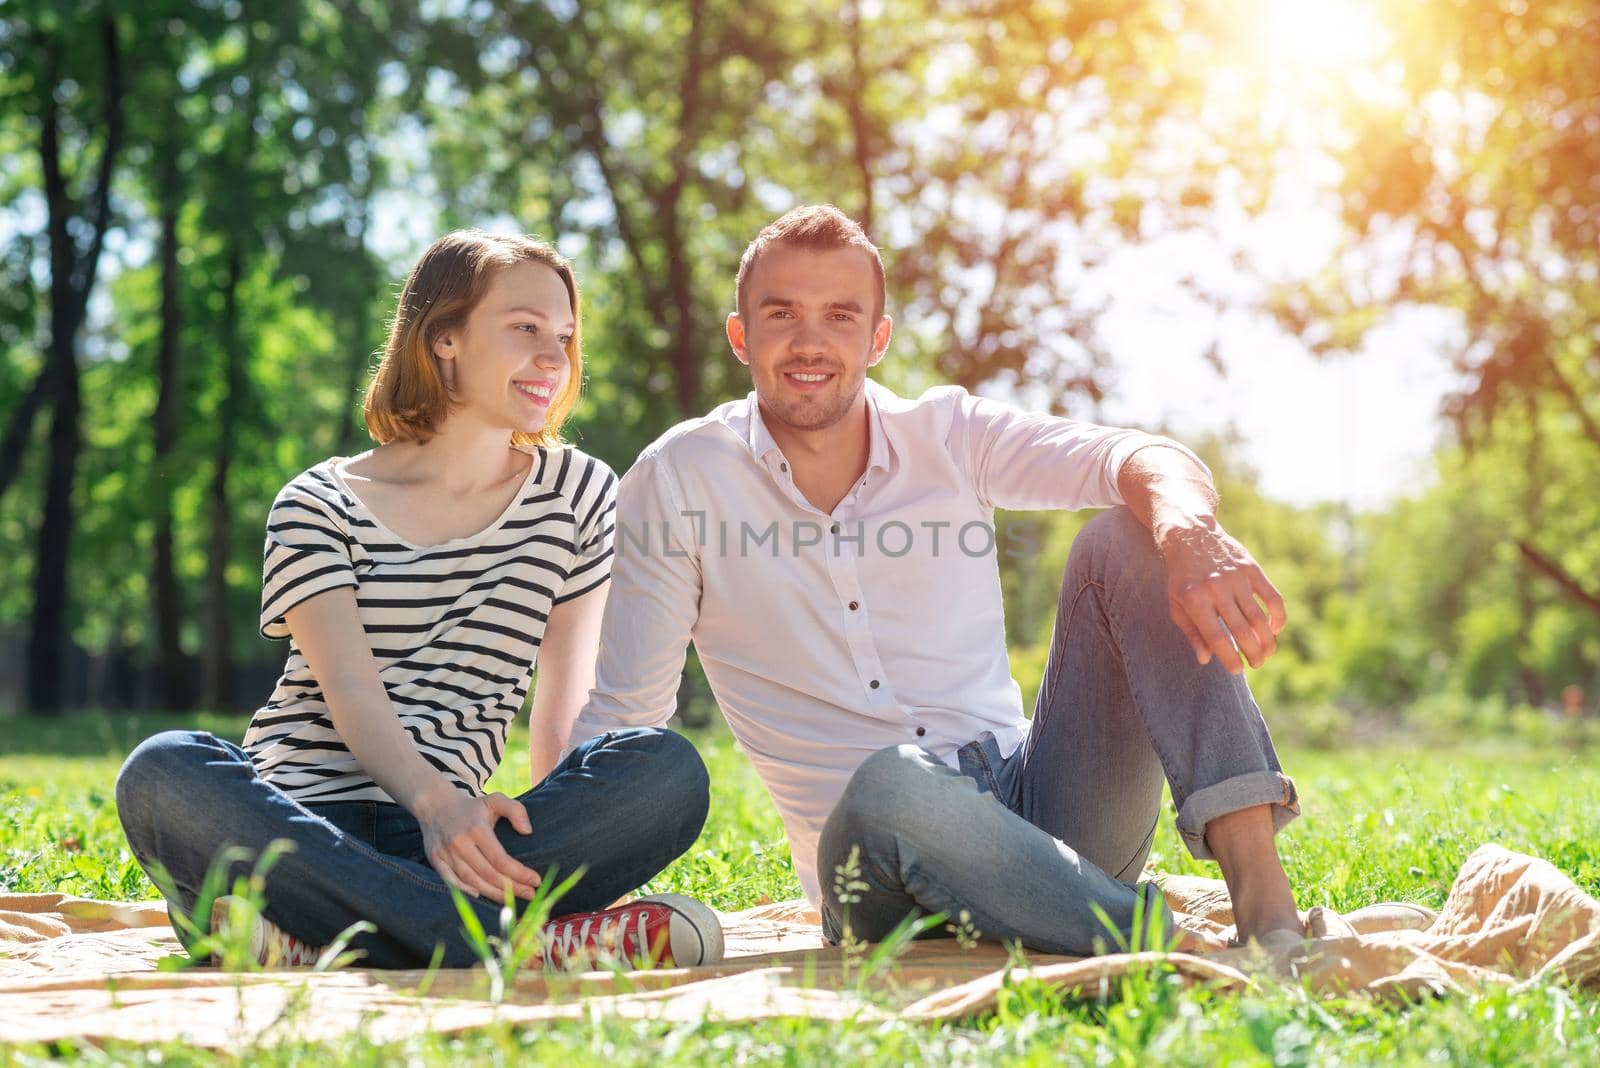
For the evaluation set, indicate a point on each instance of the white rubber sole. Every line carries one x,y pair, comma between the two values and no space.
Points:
694,924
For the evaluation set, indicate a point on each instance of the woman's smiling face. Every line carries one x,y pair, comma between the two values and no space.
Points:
509,360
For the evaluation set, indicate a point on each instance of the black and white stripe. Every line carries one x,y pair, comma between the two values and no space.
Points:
455,628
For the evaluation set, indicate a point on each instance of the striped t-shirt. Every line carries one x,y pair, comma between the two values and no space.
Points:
455,627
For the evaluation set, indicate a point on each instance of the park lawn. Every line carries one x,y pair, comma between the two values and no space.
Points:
1390,822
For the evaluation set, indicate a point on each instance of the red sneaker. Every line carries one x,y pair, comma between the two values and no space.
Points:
670,930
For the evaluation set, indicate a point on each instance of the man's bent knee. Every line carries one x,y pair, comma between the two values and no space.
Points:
1117,532
891,791
1115,546
887,779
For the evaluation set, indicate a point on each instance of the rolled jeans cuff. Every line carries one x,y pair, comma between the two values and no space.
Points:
1155,901
1240,792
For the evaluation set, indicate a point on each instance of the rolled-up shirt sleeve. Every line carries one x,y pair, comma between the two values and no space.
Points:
1031,460
651,610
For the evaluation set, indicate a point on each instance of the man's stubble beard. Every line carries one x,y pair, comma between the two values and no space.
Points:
805,416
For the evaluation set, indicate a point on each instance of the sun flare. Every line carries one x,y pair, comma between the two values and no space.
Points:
1324,35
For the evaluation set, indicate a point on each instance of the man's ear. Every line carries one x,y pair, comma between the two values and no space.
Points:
736,340
880,340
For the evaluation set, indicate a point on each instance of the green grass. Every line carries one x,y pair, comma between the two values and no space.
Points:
1379,824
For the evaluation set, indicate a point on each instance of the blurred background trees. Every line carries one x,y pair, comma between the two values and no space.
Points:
206,208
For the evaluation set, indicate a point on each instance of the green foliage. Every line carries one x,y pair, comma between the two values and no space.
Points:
1002,158
1444,601
1466,175
311,148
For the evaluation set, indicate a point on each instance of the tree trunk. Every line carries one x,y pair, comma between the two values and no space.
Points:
217,671
217,660
352,428
172,685
47,643
1532,686
72,278
351,425
686,350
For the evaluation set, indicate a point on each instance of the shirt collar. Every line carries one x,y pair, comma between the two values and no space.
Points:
879,454
761,443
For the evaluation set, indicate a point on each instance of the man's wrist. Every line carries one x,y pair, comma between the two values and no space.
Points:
1166,486
1170,520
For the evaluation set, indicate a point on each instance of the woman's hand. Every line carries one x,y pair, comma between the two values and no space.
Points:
458,837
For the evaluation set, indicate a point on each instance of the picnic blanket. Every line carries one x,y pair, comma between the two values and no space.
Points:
72,968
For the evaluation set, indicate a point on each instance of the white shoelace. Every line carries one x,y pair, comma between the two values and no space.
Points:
281,949
570,939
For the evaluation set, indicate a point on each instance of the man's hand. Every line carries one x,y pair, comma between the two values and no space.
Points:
458,837
1215,593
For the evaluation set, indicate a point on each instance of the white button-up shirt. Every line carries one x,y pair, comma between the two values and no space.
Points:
828,637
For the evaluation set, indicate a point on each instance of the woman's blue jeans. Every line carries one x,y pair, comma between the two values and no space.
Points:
622,805
1036,847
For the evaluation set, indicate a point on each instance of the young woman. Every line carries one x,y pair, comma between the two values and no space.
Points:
418,584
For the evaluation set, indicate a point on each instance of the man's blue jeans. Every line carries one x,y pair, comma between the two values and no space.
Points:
1029,847
624,805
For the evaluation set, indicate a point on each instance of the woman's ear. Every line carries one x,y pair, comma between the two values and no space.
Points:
444,345
445,349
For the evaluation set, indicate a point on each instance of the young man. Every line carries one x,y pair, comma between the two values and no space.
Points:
829,548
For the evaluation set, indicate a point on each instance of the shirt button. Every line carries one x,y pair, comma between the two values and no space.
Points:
921,731
834,529
873,684
783,467
854,605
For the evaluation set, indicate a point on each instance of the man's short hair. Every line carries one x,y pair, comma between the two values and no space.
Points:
816,228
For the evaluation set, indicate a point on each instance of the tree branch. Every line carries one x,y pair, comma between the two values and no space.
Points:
689,92
591,128
855,107
20,427
58,202
1565,387
100,213
1559,575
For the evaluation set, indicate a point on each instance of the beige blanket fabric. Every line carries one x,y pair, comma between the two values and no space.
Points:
73,968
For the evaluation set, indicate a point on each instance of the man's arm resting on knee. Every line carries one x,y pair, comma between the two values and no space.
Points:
1217,594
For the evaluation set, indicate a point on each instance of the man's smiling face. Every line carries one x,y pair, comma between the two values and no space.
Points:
808,334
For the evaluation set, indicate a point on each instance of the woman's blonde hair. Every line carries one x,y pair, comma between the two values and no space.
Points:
408,398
